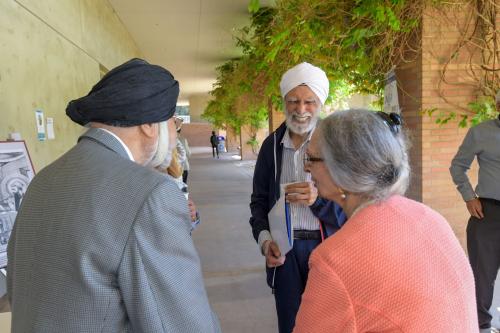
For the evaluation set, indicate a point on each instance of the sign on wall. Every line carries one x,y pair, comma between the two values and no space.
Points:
40,125
391,102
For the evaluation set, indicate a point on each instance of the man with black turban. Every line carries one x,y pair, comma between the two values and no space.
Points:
102,241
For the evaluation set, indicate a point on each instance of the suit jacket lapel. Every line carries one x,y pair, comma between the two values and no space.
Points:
105,139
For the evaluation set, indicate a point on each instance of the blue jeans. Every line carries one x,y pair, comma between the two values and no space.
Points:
290,281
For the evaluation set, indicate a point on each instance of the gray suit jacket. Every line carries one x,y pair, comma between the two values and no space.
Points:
102,244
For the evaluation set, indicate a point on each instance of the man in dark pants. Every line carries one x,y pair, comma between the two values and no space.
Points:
215,144
483,203
304,89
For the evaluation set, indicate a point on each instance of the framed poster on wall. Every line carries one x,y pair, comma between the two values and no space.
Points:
16,172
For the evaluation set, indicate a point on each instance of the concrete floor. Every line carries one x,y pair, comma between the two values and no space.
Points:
232,264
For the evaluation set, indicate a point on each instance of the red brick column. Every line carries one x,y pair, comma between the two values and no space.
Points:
232,139
247,153
275,119
433,145
197,134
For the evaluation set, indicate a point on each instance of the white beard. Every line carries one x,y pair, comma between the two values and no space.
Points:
163,153
298,128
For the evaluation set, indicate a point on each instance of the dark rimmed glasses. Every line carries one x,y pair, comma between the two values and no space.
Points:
309,160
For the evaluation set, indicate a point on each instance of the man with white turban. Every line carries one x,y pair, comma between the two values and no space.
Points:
304,89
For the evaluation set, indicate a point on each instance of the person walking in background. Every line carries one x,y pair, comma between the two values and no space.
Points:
304,89
483,203
396,265
102,241
214,141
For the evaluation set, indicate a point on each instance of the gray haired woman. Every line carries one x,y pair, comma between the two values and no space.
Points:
395,266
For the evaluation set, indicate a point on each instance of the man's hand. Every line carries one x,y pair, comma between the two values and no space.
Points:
273,254
475,208
192,209
304,193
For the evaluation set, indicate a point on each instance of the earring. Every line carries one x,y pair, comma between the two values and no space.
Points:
342,194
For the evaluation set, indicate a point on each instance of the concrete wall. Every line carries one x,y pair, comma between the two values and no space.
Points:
358,101
51,52
197,105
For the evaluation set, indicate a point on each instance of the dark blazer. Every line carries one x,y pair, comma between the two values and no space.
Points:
102,244
266,189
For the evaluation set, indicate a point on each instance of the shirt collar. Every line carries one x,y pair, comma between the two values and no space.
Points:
287,140
129,153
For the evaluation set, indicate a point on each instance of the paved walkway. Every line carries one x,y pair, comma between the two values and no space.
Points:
232,265
233,268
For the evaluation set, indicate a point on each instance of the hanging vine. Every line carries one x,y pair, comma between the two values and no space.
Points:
356,42
478,49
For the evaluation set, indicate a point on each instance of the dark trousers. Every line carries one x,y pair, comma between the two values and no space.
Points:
215,149
483,245
185,176
290,281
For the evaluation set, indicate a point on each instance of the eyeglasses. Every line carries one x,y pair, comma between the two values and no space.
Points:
309,160
293,103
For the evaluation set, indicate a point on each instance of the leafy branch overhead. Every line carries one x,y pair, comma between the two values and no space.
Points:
355,41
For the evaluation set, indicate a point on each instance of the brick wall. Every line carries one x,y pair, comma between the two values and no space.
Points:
232,140
434,146
275,119
247,153
197,134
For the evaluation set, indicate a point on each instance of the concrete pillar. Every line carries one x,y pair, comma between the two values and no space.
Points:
197,105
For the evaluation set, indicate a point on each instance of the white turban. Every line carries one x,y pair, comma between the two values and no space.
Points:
307,74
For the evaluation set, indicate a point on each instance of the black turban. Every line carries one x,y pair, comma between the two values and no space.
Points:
131,94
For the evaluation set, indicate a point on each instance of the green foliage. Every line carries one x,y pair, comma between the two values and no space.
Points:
355,41
254,143
480,110
253,6
483,109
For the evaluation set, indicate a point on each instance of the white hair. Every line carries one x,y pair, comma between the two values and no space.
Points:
163,153
363,155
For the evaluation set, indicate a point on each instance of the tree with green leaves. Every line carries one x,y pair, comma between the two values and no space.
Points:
356,42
